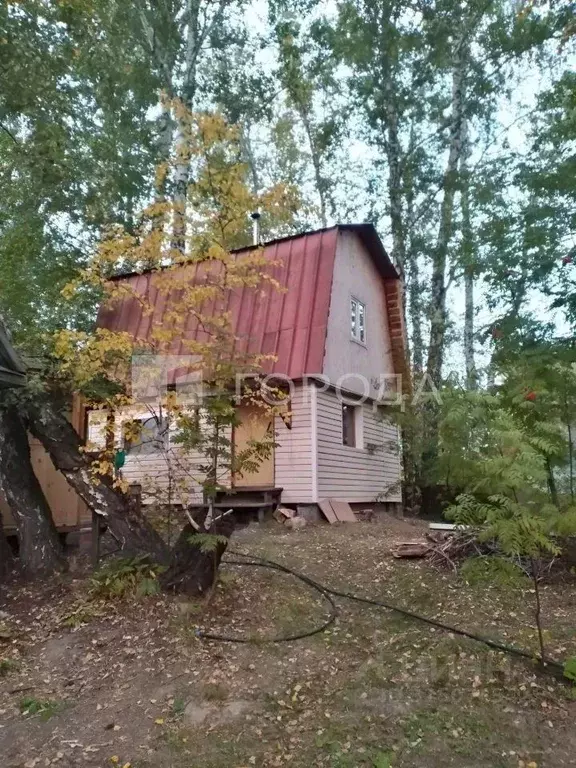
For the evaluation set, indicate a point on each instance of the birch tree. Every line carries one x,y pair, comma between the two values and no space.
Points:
469,262
438,287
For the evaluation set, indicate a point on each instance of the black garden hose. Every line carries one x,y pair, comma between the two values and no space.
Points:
260,563
552,666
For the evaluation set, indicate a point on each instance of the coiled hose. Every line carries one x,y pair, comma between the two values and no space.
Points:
553,667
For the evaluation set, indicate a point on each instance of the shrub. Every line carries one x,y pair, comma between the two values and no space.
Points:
126,576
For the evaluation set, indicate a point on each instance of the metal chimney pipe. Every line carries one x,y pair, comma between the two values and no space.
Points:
255,216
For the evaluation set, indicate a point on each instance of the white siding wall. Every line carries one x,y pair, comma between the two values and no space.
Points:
353,474
153,470
294,454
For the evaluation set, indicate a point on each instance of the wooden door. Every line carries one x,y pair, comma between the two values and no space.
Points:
254,425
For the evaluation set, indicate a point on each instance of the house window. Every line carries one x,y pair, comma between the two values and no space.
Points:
358,320
352,425
142,437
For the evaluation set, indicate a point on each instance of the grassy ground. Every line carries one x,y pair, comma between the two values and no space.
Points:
130,683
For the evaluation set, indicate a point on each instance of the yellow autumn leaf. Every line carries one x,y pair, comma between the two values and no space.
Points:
115,759
159,721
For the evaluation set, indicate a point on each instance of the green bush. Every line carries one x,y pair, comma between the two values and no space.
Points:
570,669
122,577
491,569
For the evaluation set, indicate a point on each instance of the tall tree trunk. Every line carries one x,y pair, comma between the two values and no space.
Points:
469,261
40,549
183,114
165,138
316,164
438,316
248,156
61,441
415,302
439,256
396,192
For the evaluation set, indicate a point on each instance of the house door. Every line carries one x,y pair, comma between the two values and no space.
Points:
254,425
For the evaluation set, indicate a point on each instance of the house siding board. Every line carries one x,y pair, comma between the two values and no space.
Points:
152,471
353,474
293,454
356,275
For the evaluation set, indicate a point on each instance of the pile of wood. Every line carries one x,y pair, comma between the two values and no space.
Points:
443,548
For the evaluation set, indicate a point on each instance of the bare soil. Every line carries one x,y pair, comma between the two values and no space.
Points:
129,682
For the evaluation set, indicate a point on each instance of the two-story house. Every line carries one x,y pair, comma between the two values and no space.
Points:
336,333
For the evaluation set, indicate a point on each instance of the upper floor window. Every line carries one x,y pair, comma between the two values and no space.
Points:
358,320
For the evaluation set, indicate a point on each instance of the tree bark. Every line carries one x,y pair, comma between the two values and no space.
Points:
40,550
6,559
438,315
191,570
133,532
319,179
439,257
165,129
415,302
248,156
468,257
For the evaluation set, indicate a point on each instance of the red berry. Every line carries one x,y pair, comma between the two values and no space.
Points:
567,260
530,396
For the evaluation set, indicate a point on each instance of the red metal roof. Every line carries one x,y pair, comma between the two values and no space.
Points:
290,324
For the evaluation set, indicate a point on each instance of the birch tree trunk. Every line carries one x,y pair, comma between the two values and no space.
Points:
165,128
40,550
248,155
438,315
439,257
316,164
396,194
468,256
59,438
183,112
415,303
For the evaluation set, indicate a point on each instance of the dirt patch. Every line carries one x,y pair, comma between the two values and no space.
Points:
135,684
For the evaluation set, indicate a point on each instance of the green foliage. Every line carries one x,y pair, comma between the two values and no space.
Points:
45,708
178,707
7,665
208,542
507,453
382,760
82,614
123,577
63,173
491,570
570,669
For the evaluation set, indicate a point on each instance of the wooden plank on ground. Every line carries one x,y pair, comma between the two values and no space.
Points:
343,511
327,511
411,549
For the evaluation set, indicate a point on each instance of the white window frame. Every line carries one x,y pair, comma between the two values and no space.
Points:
357,308
158,444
